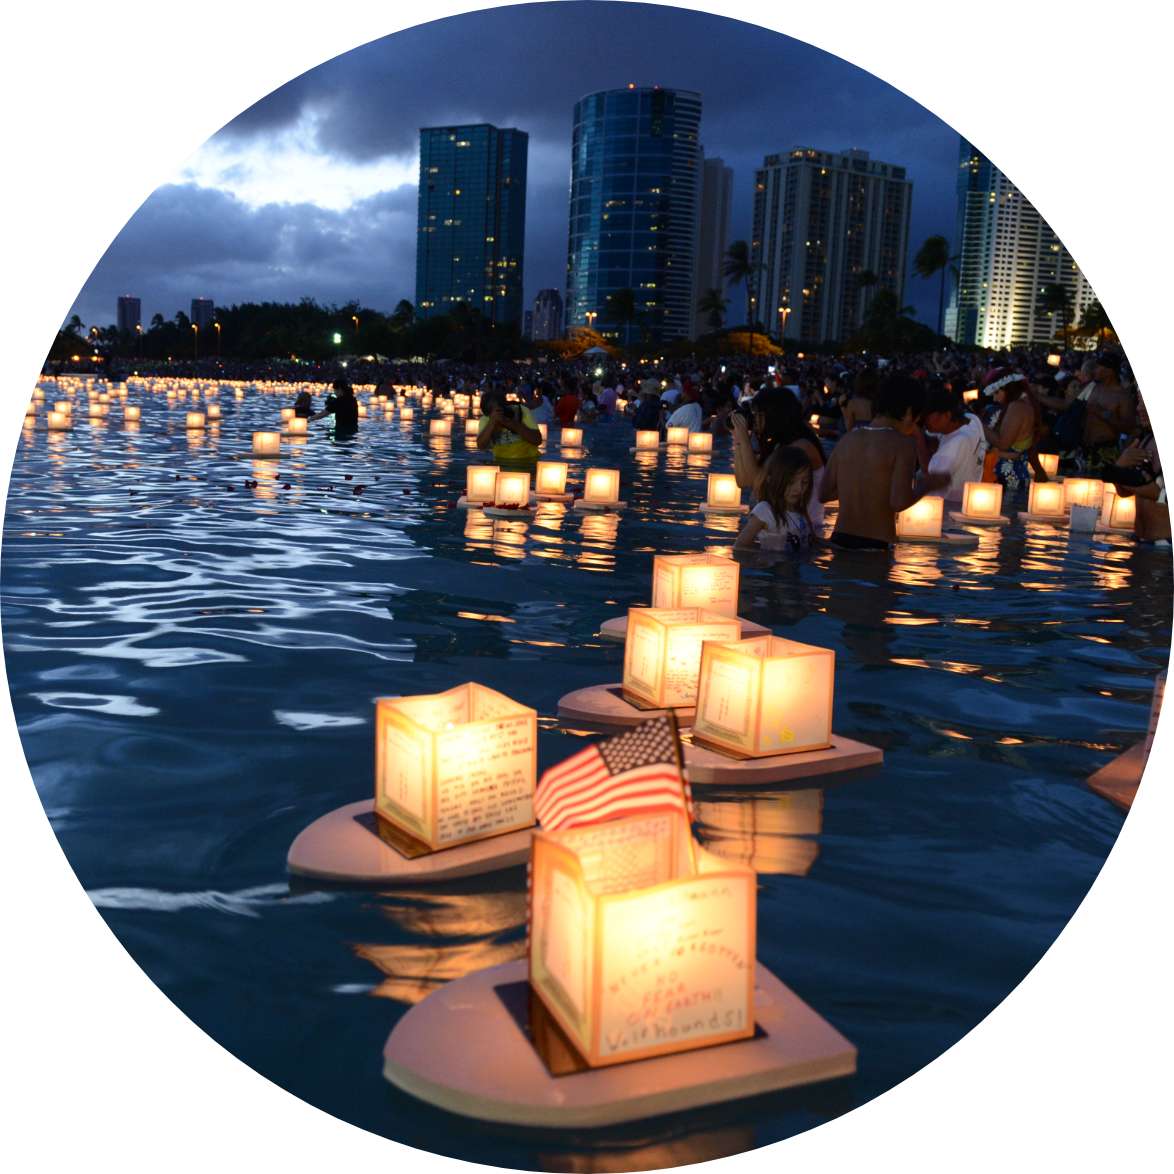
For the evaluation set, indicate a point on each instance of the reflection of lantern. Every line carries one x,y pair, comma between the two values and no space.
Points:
513,490
1050,463
58,421
455,767
722,492
298,426
571,438
677,437
551,478
472,427
1083,491
195,421
981,499
480,484
662,653
765,696
701,442
602,487
641,941
923,519
1046,499
647,440
696,580
441,427
266,444
772,834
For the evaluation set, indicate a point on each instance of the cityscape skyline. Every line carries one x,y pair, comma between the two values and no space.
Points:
218,230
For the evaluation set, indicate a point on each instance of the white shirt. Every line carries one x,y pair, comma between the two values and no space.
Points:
960,453
543,413
687,415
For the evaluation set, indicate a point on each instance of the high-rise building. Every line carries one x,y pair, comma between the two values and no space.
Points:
635,164
130,314
713,230
548,316
1007,256
821,219
471,223
202,311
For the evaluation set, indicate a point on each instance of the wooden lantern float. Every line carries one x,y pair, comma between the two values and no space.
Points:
765,696
647,440
455,767
551,481
722,495
701,442
601,491
642,943
662,653
677,437
571,438
480,485
440,427
1083,491
267,445
982,502
923,519
706,581
195,421
511,496
1045,502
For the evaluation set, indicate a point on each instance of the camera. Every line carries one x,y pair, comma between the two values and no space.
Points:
1132,477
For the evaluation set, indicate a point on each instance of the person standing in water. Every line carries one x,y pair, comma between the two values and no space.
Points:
342,405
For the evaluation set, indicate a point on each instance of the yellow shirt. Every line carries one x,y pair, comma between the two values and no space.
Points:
510,448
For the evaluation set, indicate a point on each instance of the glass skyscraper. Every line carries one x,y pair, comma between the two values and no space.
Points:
635,161
471,223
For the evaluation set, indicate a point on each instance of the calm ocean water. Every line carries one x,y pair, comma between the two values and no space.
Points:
193,661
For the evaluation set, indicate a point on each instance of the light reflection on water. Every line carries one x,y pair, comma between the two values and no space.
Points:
193,649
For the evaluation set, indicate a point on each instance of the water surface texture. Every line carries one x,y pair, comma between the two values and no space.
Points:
194,641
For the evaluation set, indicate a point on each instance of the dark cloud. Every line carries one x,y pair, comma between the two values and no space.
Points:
526,66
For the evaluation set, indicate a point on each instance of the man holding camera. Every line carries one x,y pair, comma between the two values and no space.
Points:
509,430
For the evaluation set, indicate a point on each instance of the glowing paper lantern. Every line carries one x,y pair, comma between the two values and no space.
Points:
571,438
677,437
1083,491
662,653
1119,513
63,406
266,444
480,484
132,412
441,427
59,422
1050,463
472,427
701,442
406,413
981,499
454,767
213,411
641,942
696,580
512,490
970,395
551,478
765,696
195,421
602,487
287,414
362,410
1046,499
1053,360
923,519
647,440
722,492
298,426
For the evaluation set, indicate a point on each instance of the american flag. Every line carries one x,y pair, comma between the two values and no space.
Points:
630,774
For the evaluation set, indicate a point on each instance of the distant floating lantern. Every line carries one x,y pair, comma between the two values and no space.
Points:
298,426
701,442
480,484
647,440
239,393
454,767
447,407
923,519
38,395
571,438
362,410
707,581
287,414
1050,463
195,421
970,395
1083,491
765,696
440,427
407,413
267,444
63,406
982,500
551,479
213,411
662,653
1045,499
512,490
677,437
58,421
601,487
472,427
723,494
1053,360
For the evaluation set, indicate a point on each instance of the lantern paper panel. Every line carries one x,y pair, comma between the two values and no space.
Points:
765,696
1083,491
662,653
481,483
551,477
602,486
440,427
641,942
923,519
647,440
571,438
195,420
700,442
1122,512
722,490
298,426
266,444
1046,499
513,490
696,580
1050,463
455,767
677,437
982,499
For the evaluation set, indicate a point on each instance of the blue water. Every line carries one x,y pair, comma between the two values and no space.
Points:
192,668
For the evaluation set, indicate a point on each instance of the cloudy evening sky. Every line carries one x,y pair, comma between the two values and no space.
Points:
312,191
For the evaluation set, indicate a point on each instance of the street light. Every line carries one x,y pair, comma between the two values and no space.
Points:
355,320
337,339
591,315
784,314
195,341
216,327
139,339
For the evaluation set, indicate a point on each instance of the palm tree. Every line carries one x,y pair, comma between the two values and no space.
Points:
712,304
737,265
1095,318
403,315
75,325
622,309
933,257
1055,299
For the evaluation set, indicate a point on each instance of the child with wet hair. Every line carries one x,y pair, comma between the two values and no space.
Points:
780,520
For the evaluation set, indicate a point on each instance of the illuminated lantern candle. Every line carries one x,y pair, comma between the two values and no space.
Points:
723,493
298,426
602,487
213,412
406,413
447,407
472,427
1050,463
571,438
662,653
647,440
63,406
1053,360
287,414
981,499
38,395
551,478
480,484
362,410
195,421
1045,499
701,442
266,444
765,696
923,519
454,767
813,420
677,437
512,491
1122,512
239,393
970,395
544,432
441,427
696,580
59,422
1083,491
641,942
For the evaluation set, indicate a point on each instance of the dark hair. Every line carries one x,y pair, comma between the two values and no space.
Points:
941,399
782,420
342,385
778,471
864,385
490,396
900,394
